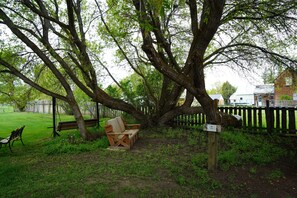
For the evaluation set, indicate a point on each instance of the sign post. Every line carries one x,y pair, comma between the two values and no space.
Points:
213,144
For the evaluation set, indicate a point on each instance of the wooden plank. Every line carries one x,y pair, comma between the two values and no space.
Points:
269,119
284,120
260,122
73,124
235,110
230,110
244,117
213,140
249,117
292,121
255,124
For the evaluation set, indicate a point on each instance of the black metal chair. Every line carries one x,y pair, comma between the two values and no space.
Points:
15,135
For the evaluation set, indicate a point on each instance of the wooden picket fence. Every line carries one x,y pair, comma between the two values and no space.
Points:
254,119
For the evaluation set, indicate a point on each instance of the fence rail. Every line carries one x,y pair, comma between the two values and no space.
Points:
254,119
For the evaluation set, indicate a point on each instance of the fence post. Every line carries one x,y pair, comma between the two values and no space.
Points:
292,121
268,117
244,109
255,124
249,117
260,118
284,120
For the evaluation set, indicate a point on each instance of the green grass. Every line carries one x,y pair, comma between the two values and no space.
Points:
241,149
38,126
165,162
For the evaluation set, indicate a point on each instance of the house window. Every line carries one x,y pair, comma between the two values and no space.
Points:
240,98
294,96
288,81
260,99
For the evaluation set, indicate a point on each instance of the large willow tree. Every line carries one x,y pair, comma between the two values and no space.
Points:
168,41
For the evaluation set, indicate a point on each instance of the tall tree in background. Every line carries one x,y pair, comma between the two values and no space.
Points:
216,89
179,39
227,91
271,73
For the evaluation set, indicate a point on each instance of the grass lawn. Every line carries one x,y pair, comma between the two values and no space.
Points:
164,162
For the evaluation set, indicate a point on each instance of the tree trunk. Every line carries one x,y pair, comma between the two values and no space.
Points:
80,120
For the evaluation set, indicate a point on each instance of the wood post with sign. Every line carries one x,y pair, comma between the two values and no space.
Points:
213,141
213,131
213,144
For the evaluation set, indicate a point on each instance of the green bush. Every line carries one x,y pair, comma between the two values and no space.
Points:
285,97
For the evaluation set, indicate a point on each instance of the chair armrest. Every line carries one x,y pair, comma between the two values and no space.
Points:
132,126
112,133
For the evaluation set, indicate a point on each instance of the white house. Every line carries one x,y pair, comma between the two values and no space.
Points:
243,96
242,99
263,93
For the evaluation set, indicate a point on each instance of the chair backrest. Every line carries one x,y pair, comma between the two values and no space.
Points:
121,123
21,130
115,125
14,134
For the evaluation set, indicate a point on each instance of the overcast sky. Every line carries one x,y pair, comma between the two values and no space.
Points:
245,83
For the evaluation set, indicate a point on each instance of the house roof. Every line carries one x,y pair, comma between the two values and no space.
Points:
292,71
264,89
216,96
236,95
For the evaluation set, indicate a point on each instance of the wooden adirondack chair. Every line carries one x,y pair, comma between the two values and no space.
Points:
121,135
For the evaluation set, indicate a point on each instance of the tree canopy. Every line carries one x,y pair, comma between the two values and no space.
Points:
168,44
226,89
